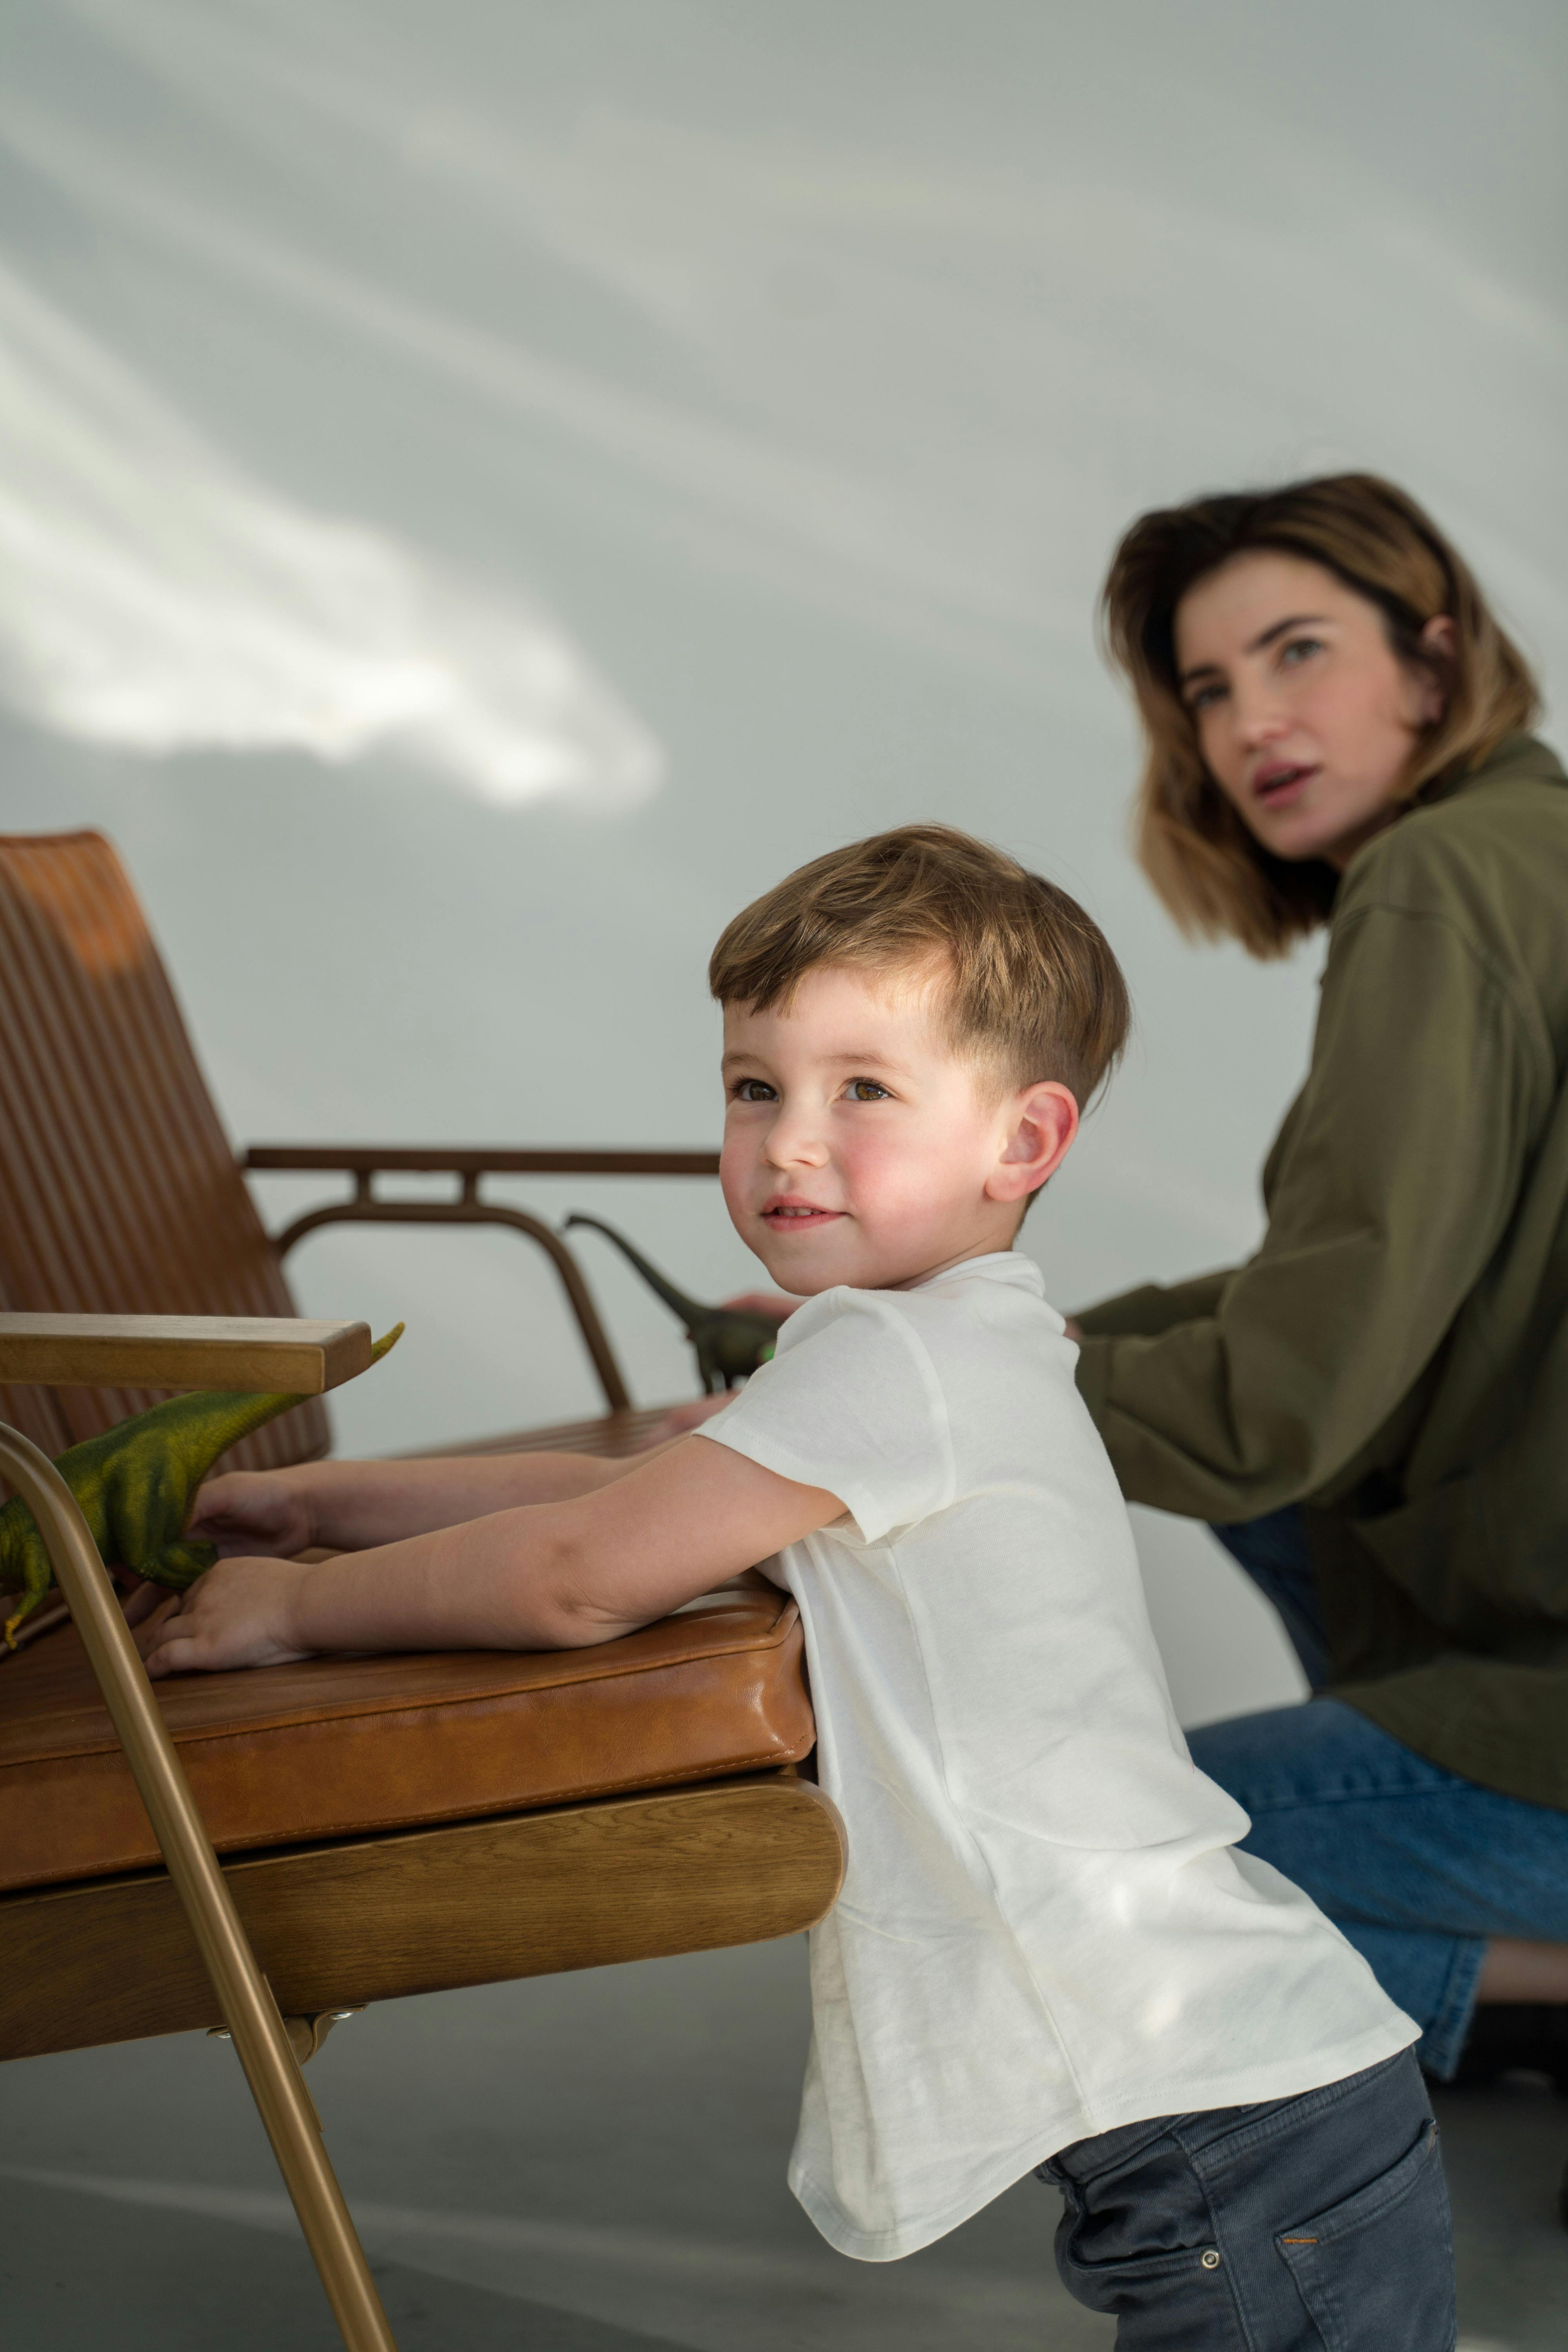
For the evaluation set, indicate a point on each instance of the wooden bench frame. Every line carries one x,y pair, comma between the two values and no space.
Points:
469,1164
338,1924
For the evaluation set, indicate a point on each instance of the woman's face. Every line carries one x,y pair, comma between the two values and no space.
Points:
1304,713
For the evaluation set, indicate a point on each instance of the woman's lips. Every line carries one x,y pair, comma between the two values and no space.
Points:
1279,787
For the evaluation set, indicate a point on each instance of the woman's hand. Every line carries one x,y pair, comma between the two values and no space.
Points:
253,1513
778,1307
776,1304
1073,1329
237,1615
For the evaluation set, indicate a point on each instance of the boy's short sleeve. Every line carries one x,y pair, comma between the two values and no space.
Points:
852,1404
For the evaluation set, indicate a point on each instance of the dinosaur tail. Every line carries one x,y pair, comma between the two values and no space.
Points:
243,1414
206,1422
191,1431
687,1309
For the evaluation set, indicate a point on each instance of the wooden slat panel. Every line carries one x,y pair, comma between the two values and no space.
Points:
119,1191
34,1411
255,1353
628,1878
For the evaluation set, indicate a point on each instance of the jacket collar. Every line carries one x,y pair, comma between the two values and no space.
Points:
1515,756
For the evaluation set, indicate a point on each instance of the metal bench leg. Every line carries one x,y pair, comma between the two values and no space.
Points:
244,1994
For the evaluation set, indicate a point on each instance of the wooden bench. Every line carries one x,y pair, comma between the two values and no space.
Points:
390,1824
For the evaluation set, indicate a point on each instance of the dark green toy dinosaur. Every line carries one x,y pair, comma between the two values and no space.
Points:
135,1484
730,1343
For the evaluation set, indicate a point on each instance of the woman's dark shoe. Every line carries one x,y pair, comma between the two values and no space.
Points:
1507,2037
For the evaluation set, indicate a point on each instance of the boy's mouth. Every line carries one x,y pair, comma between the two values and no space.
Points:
797,1216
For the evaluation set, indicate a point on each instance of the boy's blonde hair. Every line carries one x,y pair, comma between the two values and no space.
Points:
1030,989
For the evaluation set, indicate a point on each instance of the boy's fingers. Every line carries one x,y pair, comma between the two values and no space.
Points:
148,1624
235,1495
251,1522
210,1510
188,1648
214,1492
224,1620
173,1657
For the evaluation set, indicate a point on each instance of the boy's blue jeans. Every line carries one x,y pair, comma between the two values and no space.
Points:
1415,1866
1310,2222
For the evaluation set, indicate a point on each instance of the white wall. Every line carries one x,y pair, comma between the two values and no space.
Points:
483,491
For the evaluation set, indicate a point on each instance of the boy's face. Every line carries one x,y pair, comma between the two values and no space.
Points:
859,1149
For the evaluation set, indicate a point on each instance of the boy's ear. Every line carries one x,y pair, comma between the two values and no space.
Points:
1041,1124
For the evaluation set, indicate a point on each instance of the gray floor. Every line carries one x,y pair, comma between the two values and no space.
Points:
587,2164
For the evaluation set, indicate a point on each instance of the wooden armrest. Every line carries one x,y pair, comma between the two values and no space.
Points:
251,1352
365,1160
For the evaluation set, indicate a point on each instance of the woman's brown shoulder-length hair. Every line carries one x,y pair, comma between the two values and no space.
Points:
1213,876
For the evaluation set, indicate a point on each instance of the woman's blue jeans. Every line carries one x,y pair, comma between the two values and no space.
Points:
1415,1866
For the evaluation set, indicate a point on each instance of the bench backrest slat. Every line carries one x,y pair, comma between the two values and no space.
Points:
119,1193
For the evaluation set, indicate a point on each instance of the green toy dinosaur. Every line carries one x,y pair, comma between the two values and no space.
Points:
135,1484
730,1343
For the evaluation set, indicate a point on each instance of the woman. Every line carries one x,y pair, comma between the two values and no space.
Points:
1372,1411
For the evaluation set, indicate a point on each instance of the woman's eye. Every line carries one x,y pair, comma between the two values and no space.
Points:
1296,649
752,1090
1202,698
865,1090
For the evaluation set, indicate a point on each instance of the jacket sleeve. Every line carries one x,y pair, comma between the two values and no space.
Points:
1402,1160
1152,1307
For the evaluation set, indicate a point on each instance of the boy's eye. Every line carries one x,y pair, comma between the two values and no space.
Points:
865,1090
753,1090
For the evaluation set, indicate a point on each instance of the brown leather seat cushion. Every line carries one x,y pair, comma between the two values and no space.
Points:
332,1746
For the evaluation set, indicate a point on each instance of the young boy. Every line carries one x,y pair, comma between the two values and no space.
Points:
1047,1953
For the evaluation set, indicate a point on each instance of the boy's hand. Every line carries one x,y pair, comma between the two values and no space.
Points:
253,1512
237,1615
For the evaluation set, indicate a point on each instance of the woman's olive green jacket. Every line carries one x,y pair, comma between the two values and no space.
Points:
1395,1355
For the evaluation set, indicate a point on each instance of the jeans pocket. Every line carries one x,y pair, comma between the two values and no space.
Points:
1182,2297
1182,2289
1376,2271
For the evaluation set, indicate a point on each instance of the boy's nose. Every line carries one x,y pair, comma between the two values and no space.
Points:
795,1141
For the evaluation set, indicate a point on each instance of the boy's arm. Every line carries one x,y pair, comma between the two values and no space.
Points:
552,1575
350,1506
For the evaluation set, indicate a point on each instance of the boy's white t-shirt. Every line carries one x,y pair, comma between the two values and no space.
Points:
1044,1931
